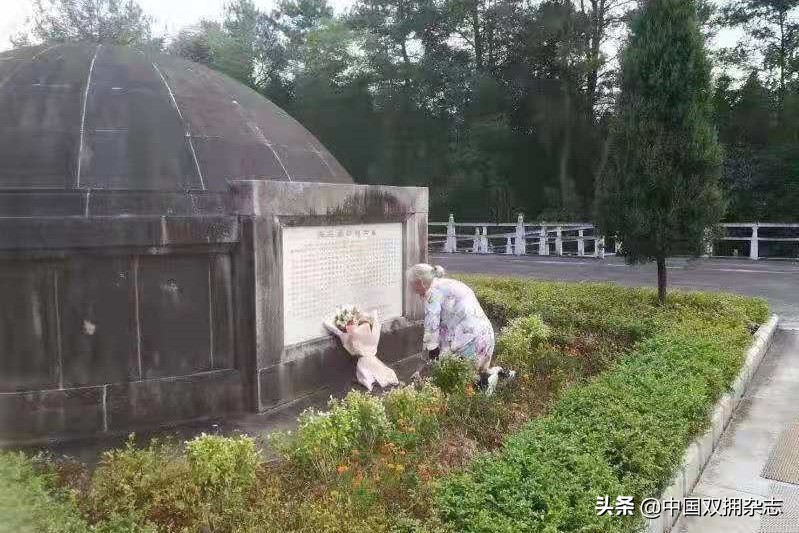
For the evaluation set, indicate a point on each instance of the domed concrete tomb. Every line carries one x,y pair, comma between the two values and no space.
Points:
170,242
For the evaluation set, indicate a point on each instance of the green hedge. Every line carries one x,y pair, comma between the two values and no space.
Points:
622,433
29,505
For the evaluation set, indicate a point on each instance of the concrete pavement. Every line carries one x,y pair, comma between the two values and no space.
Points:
777,281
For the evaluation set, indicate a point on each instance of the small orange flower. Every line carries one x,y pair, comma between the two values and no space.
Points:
342,469
469,390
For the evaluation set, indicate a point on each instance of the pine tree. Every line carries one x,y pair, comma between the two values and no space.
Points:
660,189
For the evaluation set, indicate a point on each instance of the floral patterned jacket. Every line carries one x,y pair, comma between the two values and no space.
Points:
454,320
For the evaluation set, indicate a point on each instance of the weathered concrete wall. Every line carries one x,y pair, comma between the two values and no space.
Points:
114,317
284,374
111,323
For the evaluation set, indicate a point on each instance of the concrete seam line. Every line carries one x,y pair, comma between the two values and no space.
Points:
720,416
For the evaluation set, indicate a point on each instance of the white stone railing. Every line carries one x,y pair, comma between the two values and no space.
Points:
519,238
755,235
581,239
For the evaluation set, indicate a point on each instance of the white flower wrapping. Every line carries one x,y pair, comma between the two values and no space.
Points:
360,334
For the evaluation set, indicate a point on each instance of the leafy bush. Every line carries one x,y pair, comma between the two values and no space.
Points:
453,374
323,440
155,483
521,341
225,471
413,414
27,503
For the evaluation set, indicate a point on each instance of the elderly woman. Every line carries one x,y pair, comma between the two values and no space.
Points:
454,322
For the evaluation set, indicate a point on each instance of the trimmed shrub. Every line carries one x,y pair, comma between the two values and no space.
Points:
453,374
520,343
154,483
323,440
224,469
413,414
29,505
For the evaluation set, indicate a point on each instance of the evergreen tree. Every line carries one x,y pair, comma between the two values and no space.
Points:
750,119
660,189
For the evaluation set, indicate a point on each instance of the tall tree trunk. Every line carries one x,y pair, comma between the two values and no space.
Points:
478,36
597,33
404,47
567,189
662,279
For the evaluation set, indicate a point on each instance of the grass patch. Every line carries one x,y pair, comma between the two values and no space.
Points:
611,387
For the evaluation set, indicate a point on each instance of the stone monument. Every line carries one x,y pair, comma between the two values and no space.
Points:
170,242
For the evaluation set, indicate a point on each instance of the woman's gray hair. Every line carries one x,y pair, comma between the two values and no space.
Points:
426,273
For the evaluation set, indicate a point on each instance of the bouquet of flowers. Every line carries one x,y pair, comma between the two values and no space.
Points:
360,334
349,317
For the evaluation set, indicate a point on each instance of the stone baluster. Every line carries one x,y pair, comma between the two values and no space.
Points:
484,241
520,247
451,245
708,242
508,245
599,247
580,242
558,240
543,244
476,241
754,246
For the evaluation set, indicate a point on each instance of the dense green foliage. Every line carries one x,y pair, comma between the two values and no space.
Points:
610,388
27,503
660,191
451,374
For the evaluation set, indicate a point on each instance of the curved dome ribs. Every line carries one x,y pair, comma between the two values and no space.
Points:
259,135
85,117
135,134
188,132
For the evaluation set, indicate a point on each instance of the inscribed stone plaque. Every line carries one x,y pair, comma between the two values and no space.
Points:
325,267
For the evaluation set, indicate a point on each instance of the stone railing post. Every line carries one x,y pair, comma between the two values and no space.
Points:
451,245
708,242
599,247
558,240
580,243
484,241
754,246
508,245
476,241
543,244
520,247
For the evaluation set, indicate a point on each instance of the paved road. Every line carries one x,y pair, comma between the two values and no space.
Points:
777,281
